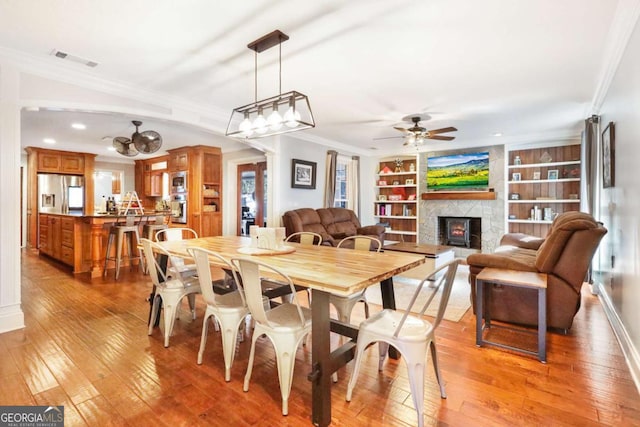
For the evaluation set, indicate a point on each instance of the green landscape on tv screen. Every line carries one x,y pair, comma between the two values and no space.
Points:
468,171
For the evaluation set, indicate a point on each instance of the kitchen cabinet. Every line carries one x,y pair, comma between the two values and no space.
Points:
55,162
542,182
41,160
149,174
205,190
116,183
396,205
178,160
58,238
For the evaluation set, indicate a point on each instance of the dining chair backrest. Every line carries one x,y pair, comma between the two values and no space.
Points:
251,282
156,271
362,243
202,259
176,233
442,278
307,238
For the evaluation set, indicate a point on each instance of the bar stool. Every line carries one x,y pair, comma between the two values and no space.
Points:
149,232
121,233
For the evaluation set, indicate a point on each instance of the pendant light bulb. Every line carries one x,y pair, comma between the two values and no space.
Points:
292,116
275,119
260,124
246,126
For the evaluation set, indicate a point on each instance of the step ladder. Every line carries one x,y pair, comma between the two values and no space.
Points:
131,204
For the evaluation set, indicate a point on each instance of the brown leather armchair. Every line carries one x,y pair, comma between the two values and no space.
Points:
564,255
333,224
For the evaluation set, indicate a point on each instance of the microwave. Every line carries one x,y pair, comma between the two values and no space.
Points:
178,182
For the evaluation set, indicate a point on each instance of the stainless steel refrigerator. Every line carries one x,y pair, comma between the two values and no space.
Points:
60,193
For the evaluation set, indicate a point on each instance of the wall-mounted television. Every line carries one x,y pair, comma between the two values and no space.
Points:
467,171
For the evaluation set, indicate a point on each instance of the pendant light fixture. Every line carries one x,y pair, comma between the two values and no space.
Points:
265,118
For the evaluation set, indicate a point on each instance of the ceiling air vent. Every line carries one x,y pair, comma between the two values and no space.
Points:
64,55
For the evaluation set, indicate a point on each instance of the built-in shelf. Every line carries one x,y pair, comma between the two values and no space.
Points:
541,181
528,221
546,201
384,202
459,195
396,216
545,165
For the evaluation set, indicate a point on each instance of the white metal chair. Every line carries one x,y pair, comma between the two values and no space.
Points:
229,309
179,233
169,290
176,233
285,325
305,238
410,334
344,305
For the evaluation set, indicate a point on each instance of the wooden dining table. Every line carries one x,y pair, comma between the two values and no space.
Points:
325,270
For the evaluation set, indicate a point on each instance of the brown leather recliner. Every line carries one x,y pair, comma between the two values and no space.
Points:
564,255
333,224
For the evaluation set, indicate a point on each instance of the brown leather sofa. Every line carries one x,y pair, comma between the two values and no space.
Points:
333,224
564,254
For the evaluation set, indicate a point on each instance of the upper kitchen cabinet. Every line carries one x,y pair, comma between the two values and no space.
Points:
52,161
178,160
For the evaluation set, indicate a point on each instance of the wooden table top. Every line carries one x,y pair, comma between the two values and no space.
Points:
336,270
529,279
417,248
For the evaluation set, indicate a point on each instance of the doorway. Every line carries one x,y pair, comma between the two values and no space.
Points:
252,192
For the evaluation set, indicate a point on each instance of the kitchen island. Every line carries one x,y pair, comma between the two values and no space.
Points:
79,240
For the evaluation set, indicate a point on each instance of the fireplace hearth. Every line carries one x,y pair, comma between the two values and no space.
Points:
460,231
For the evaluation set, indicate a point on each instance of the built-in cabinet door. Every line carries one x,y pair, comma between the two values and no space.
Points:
48,162
71,164
251,184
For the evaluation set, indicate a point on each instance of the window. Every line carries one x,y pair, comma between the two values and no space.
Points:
341,199
346,195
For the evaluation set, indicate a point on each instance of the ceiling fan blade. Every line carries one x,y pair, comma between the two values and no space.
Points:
442,130
147,142
441,138
388,137
401,129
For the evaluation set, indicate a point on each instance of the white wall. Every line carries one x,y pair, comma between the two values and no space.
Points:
620,205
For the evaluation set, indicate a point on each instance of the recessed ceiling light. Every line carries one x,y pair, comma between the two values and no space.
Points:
49,141
111,148
497,134
79,126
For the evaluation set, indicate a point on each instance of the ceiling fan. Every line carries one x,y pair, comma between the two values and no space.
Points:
416,135
146,142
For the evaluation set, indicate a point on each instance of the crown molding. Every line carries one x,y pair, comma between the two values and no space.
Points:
622,25
72,74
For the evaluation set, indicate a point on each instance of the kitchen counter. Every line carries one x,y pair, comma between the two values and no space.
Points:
81,239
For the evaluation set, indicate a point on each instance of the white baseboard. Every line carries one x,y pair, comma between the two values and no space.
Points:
628,349
10,319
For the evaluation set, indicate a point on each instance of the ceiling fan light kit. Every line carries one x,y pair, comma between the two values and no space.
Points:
417,135
145,142
265,117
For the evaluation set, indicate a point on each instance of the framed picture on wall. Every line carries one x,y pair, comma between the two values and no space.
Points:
303,174
608,156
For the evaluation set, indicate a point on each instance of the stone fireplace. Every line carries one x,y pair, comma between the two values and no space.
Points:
489,213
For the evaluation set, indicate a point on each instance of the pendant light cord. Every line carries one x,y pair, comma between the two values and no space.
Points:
255,77
280,70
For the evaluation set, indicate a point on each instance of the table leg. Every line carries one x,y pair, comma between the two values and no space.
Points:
542,325
479,308
389,301
320,377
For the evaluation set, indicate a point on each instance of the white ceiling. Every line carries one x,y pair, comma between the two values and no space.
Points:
528,69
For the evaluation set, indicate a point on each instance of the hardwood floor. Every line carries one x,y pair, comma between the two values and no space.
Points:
86,347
